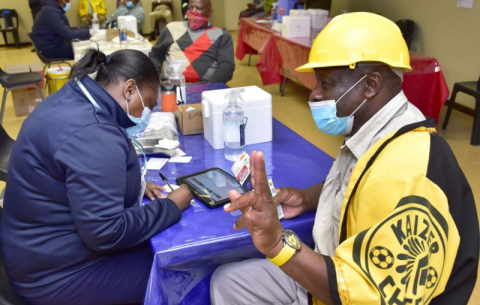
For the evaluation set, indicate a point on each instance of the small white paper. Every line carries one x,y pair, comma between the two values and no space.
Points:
168,190
156,163
465,3
191,109
180,159
178,153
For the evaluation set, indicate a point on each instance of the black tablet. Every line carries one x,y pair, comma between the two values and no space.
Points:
211,186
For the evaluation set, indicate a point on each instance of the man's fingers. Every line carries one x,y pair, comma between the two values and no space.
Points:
238,201
252,171
246,220
280,197
261,181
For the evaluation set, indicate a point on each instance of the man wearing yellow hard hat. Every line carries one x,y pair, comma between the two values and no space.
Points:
396,221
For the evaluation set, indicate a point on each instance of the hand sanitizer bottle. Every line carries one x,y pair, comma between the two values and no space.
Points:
178,79
234,123
95,23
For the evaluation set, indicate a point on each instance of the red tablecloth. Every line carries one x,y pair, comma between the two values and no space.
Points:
424,87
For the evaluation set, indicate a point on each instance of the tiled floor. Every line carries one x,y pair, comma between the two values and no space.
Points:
293,110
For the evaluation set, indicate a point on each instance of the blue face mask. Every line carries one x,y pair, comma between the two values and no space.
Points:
67,6
129,4
325,115
141,122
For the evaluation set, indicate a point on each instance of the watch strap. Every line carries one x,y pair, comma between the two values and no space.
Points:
285,254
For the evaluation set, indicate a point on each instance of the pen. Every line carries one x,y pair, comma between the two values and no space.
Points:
166,181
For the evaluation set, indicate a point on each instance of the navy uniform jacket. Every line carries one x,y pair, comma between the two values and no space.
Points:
73,186
51,28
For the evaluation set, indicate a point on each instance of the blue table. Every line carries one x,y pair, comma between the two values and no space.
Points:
187,253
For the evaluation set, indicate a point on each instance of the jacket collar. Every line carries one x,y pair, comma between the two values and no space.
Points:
110,110
360,142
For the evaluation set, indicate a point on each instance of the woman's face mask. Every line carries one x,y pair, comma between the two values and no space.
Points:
325,115
142,121
129,4
67,6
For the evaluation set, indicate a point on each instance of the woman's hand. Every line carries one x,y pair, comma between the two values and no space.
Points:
152,191
181,196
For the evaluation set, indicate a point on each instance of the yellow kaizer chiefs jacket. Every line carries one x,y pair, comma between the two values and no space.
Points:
409,231
98,6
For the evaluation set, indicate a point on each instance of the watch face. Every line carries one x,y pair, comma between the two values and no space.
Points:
292,239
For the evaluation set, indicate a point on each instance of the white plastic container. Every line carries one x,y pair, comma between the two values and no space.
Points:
257,107
296,26
319,18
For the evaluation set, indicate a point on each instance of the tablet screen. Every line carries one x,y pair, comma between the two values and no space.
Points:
211,186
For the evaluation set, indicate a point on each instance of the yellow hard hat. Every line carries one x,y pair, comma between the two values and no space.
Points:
358,37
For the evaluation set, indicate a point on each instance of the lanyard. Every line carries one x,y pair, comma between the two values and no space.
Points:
95,104
85,91
139,145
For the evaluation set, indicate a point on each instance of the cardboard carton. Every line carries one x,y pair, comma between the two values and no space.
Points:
190,122
26,99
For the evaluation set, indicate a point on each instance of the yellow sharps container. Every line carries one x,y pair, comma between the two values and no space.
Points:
56,77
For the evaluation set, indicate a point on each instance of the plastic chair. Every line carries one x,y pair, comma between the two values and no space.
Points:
6,146
407,27
472,89
8,15
7,295
47,61
12,81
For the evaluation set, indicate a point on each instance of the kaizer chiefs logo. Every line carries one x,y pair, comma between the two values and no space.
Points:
403,255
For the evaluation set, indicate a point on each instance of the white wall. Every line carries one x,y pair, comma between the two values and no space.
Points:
444,31
232,10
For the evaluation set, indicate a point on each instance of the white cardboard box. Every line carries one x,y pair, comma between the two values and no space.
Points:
256,105
295,12
296,26
319,18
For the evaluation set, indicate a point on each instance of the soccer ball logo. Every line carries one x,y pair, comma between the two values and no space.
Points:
381,257
432,278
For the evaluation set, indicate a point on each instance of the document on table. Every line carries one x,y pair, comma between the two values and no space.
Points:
156,163
465,3
180,159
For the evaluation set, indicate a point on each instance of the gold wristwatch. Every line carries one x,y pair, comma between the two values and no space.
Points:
291,244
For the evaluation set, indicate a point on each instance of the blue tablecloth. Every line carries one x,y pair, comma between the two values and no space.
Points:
187,253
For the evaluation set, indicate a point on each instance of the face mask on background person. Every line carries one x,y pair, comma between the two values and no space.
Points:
141,122
325,115
196,20
129,4
67,6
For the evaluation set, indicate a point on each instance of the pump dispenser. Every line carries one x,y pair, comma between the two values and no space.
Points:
234,123
178,79
95,23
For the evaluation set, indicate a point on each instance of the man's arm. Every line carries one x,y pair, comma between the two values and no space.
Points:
160,50
260,5
63,29
121,11
225,60
261,218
